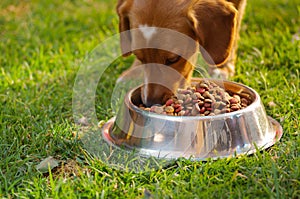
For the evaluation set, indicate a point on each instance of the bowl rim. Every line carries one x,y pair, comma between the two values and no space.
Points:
256,102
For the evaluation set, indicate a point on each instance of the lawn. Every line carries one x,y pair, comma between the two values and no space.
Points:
43,43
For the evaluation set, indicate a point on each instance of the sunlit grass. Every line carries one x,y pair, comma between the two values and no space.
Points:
41,46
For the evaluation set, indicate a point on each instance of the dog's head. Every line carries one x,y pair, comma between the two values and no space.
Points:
209,25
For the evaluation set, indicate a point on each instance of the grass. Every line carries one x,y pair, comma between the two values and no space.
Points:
42,44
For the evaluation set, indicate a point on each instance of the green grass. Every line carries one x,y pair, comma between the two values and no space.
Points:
42,44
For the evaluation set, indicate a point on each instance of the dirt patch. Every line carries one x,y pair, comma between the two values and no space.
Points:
70,169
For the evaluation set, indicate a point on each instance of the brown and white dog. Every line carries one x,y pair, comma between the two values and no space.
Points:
212,25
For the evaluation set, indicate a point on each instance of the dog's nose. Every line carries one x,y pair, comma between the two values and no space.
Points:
154,94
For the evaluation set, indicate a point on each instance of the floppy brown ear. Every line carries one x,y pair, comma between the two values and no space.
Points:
214,23
123,8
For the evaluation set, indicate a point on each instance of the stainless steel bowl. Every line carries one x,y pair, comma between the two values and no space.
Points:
195,137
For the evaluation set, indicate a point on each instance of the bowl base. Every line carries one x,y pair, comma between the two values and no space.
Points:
166,154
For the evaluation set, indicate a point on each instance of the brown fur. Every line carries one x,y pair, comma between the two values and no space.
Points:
212,24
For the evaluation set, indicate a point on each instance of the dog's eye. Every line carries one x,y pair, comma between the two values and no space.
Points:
172,60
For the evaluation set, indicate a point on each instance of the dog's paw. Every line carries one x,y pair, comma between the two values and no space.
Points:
219,73
224,72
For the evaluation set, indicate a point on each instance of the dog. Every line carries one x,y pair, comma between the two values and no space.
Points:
212,25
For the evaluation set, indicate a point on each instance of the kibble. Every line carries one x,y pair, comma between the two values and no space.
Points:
204,99
169,109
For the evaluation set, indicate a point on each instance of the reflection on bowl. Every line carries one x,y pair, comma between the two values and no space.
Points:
195,137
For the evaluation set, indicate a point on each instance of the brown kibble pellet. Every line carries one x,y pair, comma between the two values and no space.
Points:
185,91
194,111
169,102
217,111
237,97
202,110
234,107
189,107
206,105
201,103
201,90
244,105
223,104
197,107
205,98
194,96
187,112
178,109
188,100
180,97
179,101
198,95
218,98
245,95
176,106
181,113
244,101
211,97
206,94
203,85
233,101
216,105
206,112
195,101
224,110
208,101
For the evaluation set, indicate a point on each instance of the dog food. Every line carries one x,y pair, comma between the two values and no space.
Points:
204,99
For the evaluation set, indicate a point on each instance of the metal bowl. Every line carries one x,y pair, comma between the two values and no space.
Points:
195,137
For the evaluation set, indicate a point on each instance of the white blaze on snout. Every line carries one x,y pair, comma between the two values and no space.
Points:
147,31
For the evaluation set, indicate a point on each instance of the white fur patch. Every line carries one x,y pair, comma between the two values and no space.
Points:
219,74
147,31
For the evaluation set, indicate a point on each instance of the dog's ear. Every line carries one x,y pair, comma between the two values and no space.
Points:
214,23
123,8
